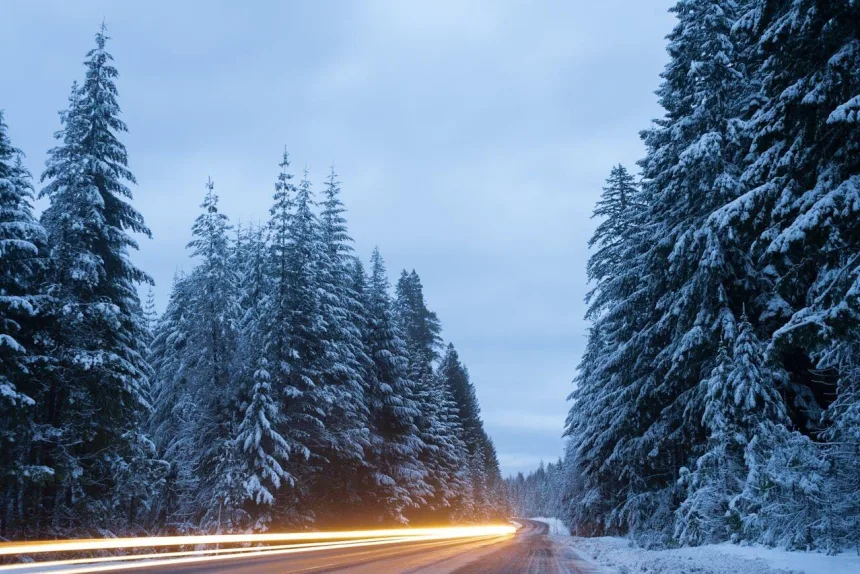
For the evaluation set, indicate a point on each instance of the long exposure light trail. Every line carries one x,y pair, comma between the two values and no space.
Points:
213,551
324,541
84,544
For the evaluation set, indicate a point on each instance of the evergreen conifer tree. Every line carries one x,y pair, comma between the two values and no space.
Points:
400,478
22,269
97,396
213,335
264,448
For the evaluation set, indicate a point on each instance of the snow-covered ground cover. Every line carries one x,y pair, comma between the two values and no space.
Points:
617,555
556,526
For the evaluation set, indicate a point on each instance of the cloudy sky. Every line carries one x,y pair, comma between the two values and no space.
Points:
472,139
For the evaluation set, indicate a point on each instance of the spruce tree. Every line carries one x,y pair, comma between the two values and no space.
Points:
442,455
482,467
213,334
291,260
150,314
22,267
344,358
604,409
264,450
97,396
275,326
804,189
616,207
399,482
173,421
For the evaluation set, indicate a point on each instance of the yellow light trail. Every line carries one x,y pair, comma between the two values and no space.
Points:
126,557
336,540
84,544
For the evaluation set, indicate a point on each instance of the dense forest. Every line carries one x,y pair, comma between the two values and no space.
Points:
719,394
284,386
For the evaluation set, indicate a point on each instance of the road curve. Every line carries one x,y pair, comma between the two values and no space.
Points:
531,550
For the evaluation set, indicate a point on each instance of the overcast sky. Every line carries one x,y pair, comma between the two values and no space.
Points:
472,139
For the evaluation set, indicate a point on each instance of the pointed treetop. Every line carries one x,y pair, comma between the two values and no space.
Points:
101,35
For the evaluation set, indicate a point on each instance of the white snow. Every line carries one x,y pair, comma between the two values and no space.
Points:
556,526
617,555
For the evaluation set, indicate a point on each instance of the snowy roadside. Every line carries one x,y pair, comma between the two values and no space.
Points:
616,556
556,526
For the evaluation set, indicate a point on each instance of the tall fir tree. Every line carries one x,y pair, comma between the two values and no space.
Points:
173,421
604,409
482,467
344,358
22,272
442,455
263,449
150,315
96,396
399,482
213,336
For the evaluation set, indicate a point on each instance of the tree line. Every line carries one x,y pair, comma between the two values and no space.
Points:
283,386
718,397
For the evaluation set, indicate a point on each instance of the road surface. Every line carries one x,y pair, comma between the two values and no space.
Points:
531,550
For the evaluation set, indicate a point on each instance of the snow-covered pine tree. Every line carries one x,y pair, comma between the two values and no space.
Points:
718,476
263,450
150,314
399,479
692,275
800,176
276,326
421,327
442,459
97,398
741,400
617,205
604,409
497,503
785,501
295,338
290,278
452,456
250,260
801,205
22,270
703,273
842,450
173,420
344,361
213,337
262,454
456,379
482,465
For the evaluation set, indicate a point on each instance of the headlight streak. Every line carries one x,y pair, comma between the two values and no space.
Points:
127,557
84,544
342,540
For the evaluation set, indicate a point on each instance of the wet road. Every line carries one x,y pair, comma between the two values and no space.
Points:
531,550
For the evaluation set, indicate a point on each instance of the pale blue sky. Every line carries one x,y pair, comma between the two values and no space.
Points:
472,139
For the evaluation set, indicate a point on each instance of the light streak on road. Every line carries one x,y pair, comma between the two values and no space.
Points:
333,541
84,544
250,549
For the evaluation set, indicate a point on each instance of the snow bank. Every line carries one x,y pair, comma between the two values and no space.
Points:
556,527
616,555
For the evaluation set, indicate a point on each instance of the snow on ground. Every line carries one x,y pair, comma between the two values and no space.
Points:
617,556
556,527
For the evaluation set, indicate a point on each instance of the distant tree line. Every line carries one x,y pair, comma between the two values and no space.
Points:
283,387
539,493
719,397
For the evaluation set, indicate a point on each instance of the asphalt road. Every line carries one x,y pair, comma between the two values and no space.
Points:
531,550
